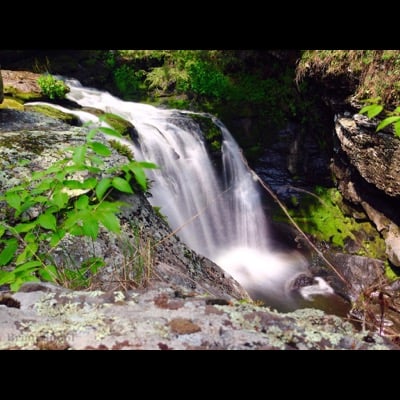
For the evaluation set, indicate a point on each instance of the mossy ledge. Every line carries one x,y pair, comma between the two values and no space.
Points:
54,113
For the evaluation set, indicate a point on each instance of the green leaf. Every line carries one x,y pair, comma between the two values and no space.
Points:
76,230
397,128
2,230
107,206
89,183
92,133
109,131
48,273
102,187
79,155
110,221
13,200
100,149
60,199
397,109
47,221
26,267
74,216
91,227
29,251
82,202
37,175
140,176
386,122
96,162
40,199
43,186
372,110
25,227
72,184
146,164
121,184
8,252
30,237
56,237
6,277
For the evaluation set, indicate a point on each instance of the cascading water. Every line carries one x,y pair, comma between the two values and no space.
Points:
218,215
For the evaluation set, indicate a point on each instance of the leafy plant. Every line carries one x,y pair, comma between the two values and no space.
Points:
71,197
128,81
52,87
374,108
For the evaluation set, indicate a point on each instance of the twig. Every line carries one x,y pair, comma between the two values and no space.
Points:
284,209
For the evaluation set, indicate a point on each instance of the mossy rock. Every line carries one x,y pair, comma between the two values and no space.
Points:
12,103
54,113
321,215
22,96
212,133
121,125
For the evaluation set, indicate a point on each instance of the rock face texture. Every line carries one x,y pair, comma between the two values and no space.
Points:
43,316
367,166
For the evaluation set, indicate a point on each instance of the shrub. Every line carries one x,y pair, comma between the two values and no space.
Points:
70,197
52,87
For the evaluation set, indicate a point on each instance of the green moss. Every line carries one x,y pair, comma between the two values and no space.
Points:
11,103
212,132
22,96
121,125
321,215
54,113
392,273
122,149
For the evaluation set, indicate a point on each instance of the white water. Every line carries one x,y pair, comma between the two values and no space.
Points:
221,218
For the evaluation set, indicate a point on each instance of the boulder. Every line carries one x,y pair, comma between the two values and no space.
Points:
367,168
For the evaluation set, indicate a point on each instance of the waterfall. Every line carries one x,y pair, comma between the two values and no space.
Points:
219,214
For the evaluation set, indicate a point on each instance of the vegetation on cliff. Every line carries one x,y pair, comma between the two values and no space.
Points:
366,73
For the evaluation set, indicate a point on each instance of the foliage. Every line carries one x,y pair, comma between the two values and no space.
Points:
71,197
128,81
374,108
52,87
204,79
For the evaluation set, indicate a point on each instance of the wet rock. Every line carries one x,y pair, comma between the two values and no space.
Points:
359,272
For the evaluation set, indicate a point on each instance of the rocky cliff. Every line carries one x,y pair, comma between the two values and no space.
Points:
367,167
